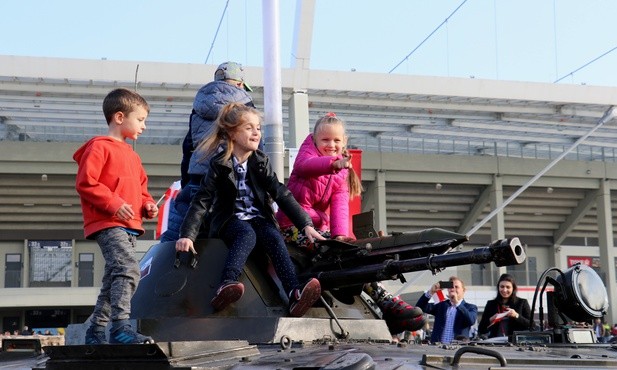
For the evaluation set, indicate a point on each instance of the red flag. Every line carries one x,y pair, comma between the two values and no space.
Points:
439,296
161,224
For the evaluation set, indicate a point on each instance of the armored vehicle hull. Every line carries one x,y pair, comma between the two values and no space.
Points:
342,331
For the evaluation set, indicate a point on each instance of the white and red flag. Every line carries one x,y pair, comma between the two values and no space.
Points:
439,296
161,224
499,317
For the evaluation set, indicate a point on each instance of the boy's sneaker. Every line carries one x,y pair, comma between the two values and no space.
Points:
95,335
301,300
228,293
126,335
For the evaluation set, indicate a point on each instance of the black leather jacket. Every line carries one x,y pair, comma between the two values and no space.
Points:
218,191
509,326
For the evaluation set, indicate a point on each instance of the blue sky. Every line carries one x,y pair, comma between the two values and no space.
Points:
521,40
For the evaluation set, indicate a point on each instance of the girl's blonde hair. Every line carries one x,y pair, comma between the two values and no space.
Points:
230,117
353,181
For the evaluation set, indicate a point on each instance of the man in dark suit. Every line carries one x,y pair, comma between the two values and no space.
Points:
453,316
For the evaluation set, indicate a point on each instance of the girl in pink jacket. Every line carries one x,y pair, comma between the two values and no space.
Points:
322,181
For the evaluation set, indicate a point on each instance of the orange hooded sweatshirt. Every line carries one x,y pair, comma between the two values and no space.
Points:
110,174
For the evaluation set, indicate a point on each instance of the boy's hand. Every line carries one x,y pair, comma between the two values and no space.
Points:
125,212
151,210
185,245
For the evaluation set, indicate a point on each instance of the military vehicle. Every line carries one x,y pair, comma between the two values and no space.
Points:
344,329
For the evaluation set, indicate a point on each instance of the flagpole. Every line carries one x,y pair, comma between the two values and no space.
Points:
161,198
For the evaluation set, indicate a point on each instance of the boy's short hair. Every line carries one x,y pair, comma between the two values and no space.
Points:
122,100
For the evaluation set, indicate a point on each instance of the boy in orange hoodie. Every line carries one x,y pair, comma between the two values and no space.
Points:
113,188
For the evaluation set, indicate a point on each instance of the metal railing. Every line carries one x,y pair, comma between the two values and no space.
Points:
482,148
368,144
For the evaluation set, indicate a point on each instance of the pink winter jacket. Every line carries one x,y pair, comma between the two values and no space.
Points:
320,190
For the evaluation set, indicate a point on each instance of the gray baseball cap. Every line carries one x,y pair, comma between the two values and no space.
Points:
231,71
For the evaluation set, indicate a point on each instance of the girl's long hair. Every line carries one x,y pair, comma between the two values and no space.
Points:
230,117
353,181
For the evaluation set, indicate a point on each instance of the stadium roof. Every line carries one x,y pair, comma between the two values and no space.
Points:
59,101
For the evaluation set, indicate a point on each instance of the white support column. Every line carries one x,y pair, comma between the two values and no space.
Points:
25,271
558,256
298,118
303,34
497,222
273,100
380,202
74,265
607,247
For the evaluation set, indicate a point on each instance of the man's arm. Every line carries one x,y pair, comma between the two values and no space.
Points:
468,313
424,305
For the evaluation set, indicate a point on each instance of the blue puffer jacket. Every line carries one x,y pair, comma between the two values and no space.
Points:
208,102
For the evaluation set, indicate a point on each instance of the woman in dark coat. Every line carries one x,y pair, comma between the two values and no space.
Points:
506,313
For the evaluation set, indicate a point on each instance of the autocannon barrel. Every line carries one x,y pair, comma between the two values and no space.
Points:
414,244
337,255
503,252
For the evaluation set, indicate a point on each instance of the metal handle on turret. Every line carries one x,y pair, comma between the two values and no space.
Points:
192,263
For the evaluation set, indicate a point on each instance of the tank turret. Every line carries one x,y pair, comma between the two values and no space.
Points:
173,298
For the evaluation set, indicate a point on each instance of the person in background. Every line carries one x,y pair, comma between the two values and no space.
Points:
453,316
228,87
607,332
113,189
505,313
26,331
473,332
322,181
237,195
598,328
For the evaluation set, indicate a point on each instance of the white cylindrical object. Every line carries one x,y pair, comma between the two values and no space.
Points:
273,105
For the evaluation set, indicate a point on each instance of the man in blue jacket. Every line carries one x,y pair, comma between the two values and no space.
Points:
228,87
453,316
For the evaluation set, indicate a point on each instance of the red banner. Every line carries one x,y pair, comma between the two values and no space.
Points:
355,204
584,260
170,194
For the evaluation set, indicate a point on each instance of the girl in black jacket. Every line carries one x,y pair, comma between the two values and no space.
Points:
236,196
506,313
